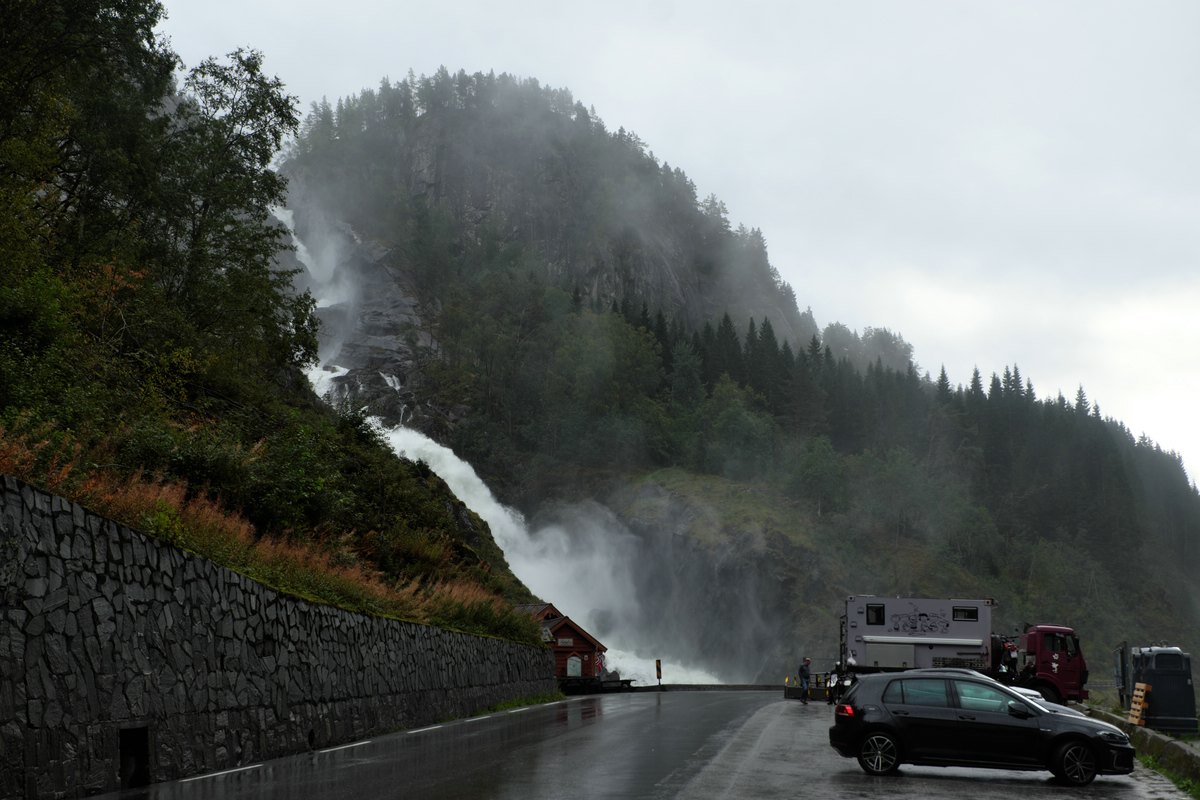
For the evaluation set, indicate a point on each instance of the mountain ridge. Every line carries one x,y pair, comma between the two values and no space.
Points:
569,392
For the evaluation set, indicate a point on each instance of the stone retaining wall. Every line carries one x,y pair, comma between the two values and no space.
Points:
1181,758
125,660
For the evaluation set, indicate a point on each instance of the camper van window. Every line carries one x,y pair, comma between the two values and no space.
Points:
874,614
966,614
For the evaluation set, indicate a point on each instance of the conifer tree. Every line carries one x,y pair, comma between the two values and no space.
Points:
943,386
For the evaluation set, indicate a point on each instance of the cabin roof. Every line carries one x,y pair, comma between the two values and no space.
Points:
553,621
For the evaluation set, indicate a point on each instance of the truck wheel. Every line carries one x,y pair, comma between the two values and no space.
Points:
1050,693
1074,763
879,754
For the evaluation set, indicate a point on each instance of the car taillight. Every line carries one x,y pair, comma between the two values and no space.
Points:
843,710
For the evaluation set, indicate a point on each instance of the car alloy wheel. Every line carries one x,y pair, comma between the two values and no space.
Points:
1075,763
879,754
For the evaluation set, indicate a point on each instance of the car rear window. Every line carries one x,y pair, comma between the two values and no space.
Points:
917,692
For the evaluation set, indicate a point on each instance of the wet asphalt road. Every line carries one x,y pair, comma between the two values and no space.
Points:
659,746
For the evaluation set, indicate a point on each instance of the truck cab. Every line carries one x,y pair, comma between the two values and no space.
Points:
1052,662
1165,675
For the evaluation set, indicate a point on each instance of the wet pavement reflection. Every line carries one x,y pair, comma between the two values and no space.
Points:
659,746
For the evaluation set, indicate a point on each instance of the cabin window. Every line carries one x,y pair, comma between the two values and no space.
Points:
874,614
966,614
574,667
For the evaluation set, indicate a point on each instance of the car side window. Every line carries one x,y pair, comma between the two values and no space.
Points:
978,697
917,692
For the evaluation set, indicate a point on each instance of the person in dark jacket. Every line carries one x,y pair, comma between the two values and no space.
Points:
805,678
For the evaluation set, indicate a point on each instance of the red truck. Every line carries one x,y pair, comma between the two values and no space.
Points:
882,634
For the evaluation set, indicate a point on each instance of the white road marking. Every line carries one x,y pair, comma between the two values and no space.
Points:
343,747
218,774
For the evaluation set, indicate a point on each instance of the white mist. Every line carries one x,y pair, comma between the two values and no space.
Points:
582,571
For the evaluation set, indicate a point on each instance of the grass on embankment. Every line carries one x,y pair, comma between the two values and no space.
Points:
194,522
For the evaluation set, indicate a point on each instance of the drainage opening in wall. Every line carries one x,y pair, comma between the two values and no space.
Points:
134,757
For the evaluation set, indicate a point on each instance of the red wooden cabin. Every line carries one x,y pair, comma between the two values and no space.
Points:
576,653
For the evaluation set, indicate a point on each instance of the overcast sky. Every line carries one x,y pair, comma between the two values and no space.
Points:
1014,182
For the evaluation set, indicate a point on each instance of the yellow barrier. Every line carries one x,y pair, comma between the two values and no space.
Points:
1139,704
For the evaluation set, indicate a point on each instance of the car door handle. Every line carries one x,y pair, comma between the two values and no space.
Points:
900,713
966,716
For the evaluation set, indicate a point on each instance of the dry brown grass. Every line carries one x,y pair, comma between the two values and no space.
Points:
201,524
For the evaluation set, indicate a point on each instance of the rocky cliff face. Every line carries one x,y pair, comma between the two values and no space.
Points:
371,325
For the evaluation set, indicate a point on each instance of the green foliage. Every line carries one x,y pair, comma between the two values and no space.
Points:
164,522
819,475
146,329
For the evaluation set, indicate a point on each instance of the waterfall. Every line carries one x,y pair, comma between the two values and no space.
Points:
582,569
581,563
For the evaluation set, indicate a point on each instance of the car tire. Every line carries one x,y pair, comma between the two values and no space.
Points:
1075,763
879,753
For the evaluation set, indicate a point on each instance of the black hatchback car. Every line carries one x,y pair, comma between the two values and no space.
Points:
889,719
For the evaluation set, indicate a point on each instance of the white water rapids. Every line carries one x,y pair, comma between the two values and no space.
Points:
582,571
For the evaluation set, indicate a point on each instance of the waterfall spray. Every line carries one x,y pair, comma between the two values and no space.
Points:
583,571
581,564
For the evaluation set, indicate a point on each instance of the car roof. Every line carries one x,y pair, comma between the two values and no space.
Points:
959,671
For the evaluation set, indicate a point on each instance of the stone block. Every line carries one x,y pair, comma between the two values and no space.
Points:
56,599
35,709
135,593
56,654
81,547
118,708
53,716
103,609
135,695
100,546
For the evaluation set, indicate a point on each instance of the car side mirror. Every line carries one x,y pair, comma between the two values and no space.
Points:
1019,710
